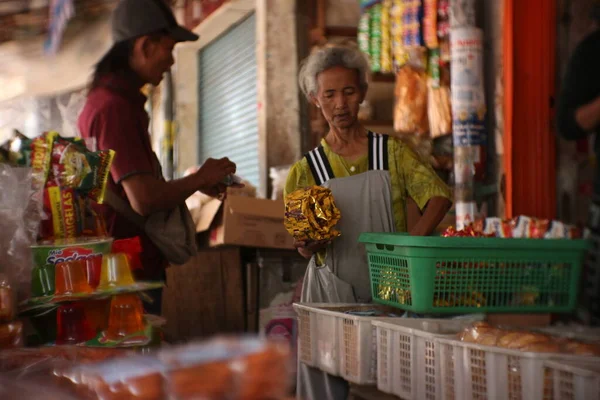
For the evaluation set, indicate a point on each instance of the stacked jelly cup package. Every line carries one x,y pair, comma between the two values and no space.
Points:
95,297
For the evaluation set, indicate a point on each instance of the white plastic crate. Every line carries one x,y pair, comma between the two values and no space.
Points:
573,381
408,360
338,343
471,371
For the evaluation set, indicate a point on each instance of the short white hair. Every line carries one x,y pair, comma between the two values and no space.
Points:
330,57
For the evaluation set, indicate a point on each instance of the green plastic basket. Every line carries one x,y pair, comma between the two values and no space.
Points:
464,275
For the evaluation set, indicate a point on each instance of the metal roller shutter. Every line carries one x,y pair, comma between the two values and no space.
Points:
228,100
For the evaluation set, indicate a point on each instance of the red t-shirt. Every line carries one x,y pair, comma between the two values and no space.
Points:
115,117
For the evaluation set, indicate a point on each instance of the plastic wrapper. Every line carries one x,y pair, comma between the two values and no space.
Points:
64,212
41,157
278,177
20,211
469,231
399,54
462,13
364,28
438,99
245,369
430,30
410,110
386,40
529,341
443,30
311,214
412,15
375,49
73,166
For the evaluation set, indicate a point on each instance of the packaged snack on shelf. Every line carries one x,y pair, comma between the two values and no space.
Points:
364,32
74,166
438,101
311,214
399,54
375,37
64,212
41,157
386,40
410,110
443,26
430,29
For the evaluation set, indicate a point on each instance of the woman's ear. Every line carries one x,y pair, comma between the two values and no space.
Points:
314,101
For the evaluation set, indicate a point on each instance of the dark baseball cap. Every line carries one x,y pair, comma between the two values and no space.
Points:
134,18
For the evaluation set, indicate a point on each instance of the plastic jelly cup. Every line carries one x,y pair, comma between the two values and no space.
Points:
93,270
126,316
72,326
42,281
70,278
115,272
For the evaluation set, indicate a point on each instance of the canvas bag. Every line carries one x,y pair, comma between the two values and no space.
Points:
173,232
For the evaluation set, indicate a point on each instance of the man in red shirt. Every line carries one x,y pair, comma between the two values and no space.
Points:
144,33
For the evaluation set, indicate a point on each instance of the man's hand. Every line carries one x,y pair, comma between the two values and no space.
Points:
308,248
212,175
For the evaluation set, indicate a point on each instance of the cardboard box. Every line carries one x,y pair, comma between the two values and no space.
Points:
244,221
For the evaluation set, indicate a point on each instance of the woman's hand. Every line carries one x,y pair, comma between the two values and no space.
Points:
308,248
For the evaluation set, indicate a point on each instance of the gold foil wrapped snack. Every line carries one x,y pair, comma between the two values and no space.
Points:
311,214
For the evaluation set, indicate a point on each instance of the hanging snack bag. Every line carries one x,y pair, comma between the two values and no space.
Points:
74,166
430,23
65,215
41,156
386,40
375,39
410,111
363,38
443,29
438,99
399,54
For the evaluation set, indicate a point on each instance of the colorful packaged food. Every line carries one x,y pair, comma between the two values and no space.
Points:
399,54
469,231
386,40
74,166
41,157
430,31
42,280
311,214
443,25
116,272
64,212
126,316
410,110
132,247
70,277
364,32
72,324
375,49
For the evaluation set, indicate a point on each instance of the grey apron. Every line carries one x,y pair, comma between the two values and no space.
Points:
365,202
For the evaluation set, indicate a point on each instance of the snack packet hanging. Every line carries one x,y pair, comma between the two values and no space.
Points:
375,39
410,110
64,210
400,56
386,40
430,23
74,166
311,214
364,24
41,157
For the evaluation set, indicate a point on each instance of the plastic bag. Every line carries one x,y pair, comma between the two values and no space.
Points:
410,111
20,213
278,177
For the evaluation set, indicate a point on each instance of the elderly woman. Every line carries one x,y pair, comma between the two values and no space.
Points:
371,176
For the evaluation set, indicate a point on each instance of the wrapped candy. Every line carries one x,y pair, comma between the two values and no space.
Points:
311,214
469,231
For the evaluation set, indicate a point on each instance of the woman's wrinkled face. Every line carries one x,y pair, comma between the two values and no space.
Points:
339,96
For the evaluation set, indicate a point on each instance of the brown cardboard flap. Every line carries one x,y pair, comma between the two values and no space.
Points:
268,209
207,215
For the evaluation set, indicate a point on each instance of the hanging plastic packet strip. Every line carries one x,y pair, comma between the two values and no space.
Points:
41,157
74,166
311,214
65,210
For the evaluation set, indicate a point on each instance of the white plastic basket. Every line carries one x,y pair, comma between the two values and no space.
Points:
573,381
338,343
408,360
471,371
